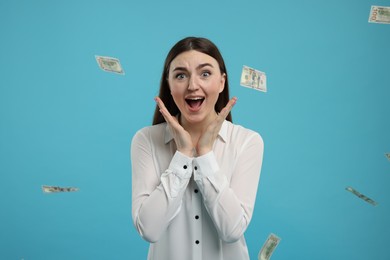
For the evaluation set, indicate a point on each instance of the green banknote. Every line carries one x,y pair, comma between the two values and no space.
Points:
254,79
361,196
379,14
110,64
268,247
54,189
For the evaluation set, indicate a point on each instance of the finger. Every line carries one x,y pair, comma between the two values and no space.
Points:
226,110
159,102
164,111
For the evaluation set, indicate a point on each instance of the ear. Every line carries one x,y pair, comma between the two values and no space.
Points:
223,80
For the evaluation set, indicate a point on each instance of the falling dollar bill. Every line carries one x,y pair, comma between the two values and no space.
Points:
109,64
387,156
379,14
268,247
361,196
252,78
53,189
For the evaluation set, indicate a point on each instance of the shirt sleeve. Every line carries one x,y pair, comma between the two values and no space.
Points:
230,204
156,200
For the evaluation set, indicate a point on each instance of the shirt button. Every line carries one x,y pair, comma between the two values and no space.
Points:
185,166
197,242
196,168
196,190
196,217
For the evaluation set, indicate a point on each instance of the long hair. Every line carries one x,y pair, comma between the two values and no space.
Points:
198,44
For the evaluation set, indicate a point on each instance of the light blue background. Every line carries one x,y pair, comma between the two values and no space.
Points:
65,122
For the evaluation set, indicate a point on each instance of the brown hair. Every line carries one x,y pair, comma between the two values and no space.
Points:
190,43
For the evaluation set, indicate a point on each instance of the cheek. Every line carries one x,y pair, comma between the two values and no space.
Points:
176,94
216,87
177,88
171,87
174,90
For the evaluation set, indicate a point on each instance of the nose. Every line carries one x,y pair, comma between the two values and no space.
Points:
193,84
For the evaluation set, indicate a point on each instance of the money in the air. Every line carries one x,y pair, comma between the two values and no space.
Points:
252,78
387,156
361,196
379,14
268,247
109,64
55,189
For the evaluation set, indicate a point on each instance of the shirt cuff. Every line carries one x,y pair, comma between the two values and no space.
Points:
207,175
177,176
205,166
181,165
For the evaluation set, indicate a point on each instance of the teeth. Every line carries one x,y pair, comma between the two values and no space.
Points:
196,98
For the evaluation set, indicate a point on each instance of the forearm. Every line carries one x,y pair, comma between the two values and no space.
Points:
152,213
154,207
226,210
230,203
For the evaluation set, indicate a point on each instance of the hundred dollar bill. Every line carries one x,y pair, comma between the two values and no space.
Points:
52,189
387,156
252,78
379,14
109,64
268,247
361,196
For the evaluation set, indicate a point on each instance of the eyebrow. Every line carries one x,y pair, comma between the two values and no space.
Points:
199,67
204,65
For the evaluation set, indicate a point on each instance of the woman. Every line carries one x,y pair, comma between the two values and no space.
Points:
194,173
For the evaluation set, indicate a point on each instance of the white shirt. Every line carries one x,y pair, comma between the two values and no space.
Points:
195,208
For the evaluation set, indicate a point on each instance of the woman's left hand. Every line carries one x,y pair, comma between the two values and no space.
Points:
206,141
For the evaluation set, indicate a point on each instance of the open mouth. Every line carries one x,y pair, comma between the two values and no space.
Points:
195,103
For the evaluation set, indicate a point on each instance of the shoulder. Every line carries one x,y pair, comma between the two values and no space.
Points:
240,134
150,132
152,128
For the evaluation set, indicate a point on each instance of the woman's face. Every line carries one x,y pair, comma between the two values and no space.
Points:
195,81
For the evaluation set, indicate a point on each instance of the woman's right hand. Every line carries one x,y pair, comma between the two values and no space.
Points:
180,135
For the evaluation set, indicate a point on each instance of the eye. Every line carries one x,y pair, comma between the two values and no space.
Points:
206,74
180,76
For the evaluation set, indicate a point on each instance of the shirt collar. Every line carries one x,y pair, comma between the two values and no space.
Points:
222,133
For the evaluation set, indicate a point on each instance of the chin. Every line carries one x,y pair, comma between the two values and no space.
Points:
193,119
